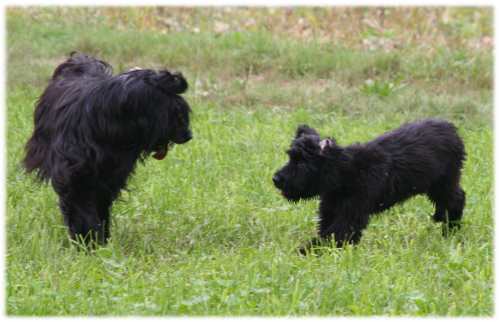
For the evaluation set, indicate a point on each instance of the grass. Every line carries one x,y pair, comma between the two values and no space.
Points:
204,232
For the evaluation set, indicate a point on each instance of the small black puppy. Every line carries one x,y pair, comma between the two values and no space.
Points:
90,129
359,180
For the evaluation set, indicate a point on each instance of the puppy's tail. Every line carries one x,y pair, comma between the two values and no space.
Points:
169,83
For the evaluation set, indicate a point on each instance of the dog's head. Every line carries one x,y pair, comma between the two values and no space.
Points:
80,65
90,116
146,110
173,84
302,177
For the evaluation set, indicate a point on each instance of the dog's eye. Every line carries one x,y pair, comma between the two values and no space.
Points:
295,156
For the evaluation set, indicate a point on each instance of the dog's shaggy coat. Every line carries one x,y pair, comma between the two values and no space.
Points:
359,180
91,128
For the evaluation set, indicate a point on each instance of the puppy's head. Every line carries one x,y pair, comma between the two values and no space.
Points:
301,177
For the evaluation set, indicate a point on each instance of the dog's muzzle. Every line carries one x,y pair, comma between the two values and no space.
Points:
183,138
162,151
186,138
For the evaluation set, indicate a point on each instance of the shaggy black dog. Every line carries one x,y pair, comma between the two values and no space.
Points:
91,128
357,181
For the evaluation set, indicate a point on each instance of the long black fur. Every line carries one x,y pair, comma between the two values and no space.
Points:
91,128
357,181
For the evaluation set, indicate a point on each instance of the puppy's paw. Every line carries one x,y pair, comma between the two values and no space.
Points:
312,247
450,227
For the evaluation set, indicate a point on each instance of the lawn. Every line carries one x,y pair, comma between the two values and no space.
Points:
204,232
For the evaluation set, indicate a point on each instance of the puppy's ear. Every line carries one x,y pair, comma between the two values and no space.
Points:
170,83
328,146
305,129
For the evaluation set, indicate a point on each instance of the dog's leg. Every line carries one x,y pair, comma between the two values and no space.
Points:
81,217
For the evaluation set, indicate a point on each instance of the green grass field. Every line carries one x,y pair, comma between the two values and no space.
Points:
204,232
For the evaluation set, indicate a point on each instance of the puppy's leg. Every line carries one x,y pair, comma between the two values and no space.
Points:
306,248
438,196
349,220
455,208
347,231
343,233
449,201
327,216
103,208
344,221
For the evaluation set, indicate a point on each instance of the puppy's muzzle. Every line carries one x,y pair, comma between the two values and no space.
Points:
278,181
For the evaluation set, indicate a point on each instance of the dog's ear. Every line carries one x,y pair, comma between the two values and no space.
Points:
79,64
305,129
170,83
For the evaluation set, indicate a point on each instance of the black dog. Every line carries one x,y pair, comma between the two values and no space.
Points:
91,128
359,180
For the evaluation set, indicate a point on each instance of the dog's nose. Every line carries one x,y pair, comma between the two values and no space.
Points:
277,180
183,138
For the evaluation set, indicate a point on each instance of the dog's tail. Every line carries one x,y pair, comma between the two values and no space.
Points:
36,157
169,83
79,64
